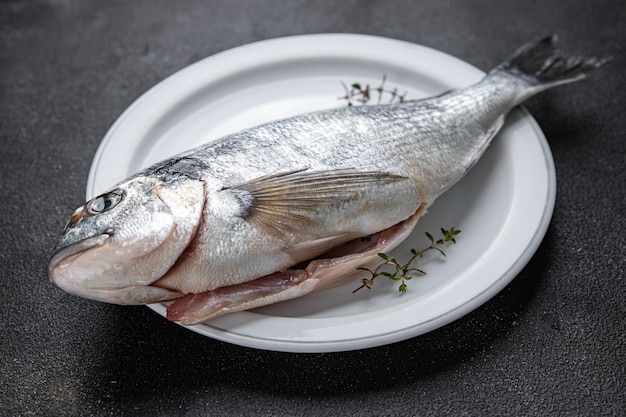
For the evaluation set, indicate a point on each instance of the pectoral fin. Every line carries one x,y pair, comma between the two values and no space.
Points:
284,204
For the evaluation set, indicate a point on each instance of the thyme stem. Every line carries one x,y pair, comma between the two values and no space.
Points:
362,95
406,272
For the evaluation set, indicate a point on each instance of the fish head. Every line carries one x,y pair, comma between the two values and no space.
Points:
118,243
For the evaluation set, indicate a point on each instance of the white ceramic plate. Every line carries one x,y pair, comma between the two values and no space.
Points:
503,206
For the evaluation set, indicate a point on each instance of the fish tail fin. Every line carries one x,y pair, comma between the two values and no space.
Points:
540,65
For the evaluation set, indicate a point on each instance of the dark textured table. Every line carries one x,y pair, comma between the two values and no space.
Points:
552,342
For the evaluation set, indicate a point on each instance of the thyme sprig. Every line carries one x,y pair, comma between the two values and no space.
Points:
405,272
357,93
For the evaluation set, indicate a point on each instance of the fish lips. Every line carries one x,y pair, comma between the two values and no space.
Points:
63,257
68,252
128,295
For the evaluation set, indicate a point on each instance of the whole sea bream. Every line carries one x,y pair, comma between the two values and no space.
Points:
290,207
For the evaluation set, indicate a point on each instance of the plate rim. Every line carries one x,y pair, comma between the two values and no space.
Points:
380,338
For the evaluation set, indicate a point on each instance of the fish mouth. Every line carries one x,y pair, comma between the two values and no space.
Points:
63,259
68,254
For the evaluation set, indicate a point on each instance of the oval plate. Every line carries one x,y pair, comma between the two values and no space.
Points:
503,206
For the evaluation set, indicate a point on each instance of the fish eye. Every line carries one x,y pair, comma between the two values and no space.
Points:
104,202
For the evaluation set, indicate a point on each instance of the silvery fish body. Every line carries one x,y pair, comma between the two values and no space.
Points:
293,206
